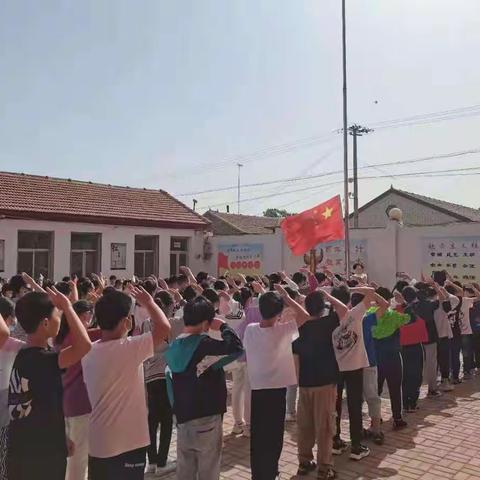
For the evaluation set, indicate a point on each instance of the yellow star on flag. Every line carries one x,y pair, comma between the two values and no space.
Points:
327,213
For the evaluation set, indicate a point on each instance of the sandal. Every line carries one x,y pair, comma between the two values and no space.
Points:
305,468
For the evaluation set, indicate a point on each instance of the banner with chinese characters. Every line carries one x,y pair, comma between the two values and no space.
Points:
246,258
331,255
459,256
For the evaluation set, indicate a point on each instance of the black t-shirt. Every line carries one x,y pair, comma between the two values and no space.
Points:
35,402
426,309
318,365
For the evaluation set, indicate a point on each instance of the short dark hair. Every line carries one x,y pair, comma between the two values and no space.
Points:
202,276
245,294
320,276
84,286
400,285
341,293
409,294
111,309
64,287
7,307
66,279
112,277
358,264
189,293
16,283
315,303
165,298
356,298
270,305
198,311
108,290
150,286
31,309
220,285
384,293
274,279
211,295
299,278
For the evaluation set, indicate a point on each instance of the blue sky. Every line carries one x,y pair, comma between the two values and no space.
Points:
170,94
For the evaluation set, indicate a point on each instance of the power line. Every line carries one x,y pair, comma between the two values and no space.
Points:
325,174
439,173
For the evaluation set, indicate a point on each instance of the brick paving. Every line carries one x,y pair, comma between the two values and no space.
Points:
442,441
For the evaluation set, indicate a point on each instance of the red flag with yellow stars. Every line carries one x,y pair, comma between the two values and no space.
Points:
323,223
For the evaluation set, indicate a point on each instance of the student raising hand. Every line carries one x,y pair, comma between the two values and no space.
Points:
81,343
161,325
300,314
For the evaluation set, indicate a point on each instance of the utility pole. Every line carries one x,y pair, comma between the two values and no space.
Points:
239,165
194,204
345,141
355,131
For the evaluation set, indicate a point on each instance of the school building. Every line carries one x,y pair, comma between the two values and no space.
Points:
57,227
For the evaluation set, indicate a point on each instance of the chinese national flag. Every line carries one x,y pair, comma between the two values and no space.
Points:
323,223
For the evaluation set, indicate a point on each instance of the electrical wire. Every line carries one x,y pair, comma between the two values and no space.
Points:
326,174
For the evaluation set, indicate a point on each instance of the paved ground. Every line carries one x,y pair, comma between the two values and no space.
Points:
442,441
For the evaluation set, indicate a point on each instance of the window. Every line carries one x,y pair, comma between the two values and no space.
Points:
85,253
178,254
35,253
146,255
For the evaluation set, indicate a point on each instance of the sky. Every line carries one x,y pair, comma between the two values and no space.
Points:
171,95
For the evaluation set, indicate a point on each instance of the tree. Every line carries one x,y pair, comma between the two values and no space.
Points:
276,213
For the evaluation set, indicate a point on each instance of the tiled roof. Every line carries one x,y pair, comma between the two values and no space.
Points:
418,210
47,198
468,213
236,224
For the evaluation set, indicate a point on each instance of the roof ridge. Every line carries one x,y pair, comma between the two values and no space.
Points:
439,200
236,227
87,182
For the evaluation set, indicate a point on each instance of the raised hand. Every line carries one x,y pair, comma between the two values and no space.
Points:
58,299
141,296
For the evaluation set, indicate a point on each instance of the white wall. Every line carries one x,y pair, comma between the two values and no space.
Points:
110,234
389,250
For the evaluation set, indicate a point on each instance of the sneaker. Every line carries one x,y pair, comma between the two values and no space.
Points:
399,424
433,394
446,386
246,431
467,376
169,467
237,429
339,446
328,474
151,468
357,453
290,417
306,468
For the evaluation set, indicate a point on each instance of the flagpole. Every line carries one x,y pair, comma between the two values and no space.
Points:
345,142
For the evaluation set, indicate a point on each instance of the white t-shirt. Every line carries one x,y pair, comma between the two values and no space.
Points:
113,374
465,326
269,355
444,329
347,340
8,353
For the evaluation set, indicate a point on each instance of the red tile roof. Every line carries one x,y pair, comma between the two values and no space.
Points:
47,198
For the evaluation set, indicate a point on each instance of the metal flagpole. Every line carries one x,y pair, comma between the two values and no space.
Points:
345,142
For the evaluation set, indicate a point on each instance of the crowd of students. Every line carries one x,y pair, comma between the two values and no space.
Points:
95,373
